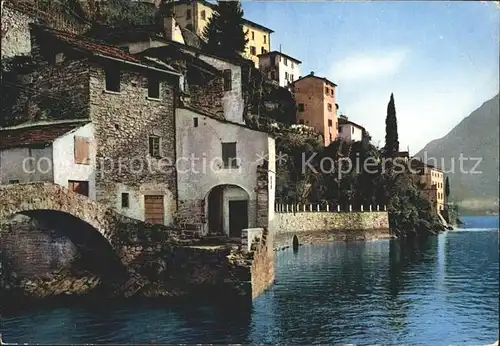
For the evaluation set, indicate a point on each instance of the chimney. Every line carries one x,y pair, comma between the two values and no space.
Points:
169,27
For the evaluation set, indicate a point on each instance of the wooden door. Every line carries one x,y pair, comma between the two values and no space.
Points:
154,210
78,186
238,217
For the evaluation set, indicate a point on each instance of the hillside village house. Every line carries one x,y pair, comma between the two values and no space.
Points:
59,152
280,67
316,107
144,110
194,15
349,131
432,180
130,104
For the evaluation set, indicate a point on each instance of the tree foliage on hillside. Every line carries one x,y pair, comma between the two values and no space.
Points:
224,32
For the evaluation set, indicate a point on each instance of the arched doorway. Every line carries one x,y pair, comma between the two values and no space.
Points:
227,210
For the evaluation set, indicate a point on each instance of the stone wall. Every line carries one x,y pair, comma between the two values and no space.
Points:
15,32
262,269
122,135
312,227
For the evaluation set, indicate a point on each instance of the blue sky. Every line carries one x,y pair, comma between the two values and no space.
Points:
441,59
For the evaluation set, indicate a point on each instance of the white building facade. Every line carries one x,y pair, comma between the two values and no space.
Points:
62,153
349,131
217,173
280,67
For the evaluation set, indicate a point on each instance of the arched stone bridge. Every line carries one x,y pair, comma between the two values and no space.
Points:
126,236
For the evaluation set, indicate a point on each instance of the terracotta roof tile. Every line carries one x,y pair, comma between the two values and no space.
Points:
89,45
35,135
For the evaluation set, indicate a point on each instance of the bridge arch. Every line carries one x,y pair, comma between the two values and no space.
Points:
32,197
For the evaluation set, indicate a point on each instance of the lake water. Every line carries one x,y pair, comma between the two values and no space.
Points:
442,292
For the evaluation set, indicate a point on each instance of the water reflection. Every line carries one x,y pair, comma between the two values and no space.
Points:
442,291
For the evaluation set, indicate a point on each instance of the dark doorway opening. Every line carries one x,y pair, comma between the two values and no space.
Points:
215,223
79,186
238,217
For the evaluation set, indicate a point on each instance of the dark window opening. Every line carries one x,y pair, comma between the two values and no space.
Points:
301,121
229,154
203,15
327,91
125,200
253,50
112,79
153,88
189,27
14,181
330,123
301,107
188,14
154,146
195,122
227,80
330,107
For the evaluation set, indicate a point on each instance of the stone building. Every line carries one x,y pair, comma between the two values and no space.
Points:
349,131
130,103
61,152
210,128
194,15
316,107
280,67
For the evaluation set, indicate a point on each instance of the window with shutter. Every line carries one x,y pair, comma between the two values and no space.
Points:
82,150
154,146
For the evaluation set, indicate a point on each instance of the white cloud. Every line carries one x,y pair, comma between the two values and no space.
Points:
369,65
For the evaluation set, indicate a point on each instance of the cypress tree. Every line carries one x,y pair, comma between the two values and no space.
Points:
224,32
447,188
391,129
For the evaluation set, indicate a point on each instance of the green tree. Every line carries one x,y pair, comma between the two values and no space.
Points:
391,129
224,32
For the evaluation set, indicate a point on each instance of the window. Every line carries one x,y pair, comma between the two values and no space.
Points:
189,27
285,61
286,75
58,57
265,39
330,123
154,146
253,50
329,107
340,129
229,154
112,79
253,35
78,186
291,64
203,15
14,181
195,122
327,91
227,80
125,200
273,75
301,121
301,107
332,91
188,14
331,138
153,88
352,127
263,50
291,78
81,150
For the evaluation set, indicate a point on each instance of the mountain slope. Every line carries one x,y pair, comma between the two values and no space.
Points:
475,137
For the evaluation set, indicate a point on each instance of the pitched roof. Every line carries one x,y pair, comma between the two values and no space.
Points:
343,121
313,76
275,52
36,134
95,47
